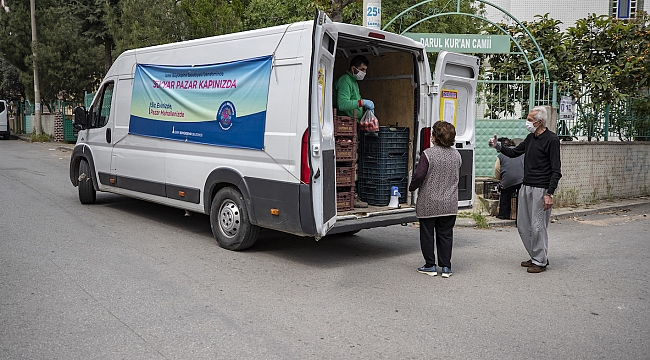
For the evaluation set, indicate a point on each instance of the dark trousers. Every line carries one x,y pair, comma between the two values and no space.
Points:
443,228
505,201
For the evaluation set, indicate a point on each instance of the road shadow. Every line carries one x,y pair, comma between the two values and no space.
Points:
170,216
366,246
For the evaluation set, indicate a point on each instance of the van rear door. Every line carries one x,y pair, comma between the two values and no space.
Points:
321,128
4,119
454,101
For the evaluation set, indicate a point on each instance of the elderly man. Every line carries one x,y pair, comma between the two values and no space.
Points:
541,176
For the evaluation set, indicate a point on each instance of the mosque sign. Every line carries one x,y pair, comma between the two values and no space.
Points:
463,43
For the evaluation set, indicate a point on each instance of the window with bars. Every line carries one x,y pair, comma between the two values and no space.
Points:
624,9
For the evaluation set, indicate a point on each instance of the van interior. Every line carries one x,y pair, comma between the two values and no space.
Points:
391,83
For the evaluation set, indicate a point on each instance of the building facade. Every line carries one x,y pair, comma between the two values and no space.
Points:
566,11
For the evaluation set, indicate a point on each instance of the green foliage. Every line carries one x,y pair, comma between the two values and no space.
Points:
551,41
141,23
92,14
480,220
208,17
10,86
266,13
43,137
68,63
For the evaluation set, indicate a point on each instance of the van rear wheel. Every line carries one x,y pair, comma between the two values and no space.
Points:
230,222
87,193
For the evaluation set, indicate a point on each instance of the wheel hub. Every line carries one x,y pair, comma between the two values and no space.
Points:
229,218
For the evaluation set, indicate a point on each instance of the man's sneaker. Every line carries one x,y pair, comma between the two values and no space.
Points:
431,271
446,272
536,269
529,263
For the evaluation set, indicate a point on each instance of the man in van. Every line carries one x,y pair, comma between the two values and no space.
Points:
348,97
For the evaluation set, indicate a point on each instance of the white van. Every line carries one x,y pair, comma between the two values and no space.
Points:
4,120
240,126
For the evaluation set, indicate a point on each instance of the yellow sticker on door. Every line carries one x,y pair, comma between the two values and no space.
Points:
448,106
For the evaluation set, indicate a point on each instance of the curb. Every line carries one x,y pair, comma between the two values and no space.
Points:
58,145
563,213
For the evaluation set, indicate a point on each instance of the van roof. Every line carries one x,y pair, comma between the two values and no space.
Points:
354,30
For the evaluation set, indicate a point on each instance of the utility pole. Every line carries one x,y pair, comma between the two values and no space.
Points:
37,92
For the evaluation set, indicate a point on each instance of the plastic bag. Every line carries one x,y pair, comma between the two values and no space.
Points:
369,122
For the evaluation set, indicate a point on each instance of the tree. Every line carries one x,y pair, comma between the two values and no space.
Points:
600,57
612,65
92,14
69,64
205,18
10,86
553,43
141,23
266,13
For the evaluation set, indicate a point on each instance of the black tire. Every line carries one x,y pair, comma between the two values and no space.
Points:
230,222
87,193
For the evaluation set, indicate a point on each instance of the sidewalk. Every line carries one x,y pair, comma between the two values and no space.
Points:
567,212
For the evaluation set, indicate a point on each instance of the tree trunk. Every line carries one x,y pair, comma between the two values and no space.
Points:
108,58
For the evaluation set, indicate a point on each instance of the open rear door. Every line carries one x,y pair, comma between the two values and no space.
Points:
321,130
454,101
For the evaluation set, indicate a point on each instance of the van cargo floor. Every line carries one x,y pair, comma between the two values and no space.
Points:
371,209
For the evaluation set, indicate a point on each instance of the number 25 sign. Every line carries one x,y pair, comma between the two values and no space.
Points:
372,14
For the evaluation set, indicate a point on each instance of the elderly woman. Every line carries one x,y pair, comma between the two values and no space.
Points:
437,176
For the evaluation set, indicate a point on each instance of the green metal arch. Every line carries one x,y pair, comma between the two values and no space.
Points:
458,12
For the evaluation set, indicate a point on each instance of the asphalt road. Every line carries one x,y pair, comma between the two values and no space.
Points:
126,279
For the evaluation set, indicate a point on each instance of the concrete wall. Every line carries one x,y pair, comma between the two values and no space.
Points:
47,124
603,170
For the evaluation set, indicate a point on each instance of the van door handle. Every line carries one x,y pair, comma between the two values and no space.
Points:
108,135
317,175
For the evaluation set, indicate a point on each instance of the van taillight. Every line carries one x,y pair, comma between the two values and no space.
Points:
426,138
376,35
305,170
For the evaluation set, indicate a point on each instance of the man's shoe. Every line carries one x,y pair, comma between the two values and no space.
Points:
446,272
536,269
529,263
431,271
358,203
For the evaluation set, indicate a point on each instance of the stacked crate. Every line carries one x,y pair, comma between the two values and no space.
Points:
345,135
383,164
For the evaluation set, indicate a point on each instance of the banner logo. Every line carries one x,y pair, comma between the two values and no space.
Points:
226,115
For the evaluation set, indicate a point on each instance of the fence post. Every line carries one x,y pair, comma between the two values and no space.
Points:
607,122
531,95
555,94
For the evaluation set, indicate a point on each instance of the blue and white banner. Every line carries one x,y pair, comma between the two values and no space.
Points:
220,104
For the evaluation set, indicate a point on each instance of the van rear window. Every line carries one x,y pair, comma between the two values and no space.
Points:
328,43
2,106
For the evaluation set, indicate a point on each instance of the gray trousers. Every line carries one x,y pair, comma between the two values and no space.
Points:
532,223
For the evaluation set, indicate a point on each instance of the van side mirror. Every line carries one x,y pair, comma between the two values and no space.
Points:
79,118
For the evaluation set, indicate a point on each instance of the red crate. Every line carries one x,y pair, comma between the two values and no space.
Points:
345,201
345,125
345,175
346,150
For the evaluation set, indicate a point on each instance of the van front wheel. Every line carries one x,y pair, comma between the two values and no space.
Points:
230,222
87,193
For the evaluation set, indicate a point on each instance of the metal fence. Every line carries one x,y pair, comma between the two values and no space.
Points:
627,120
